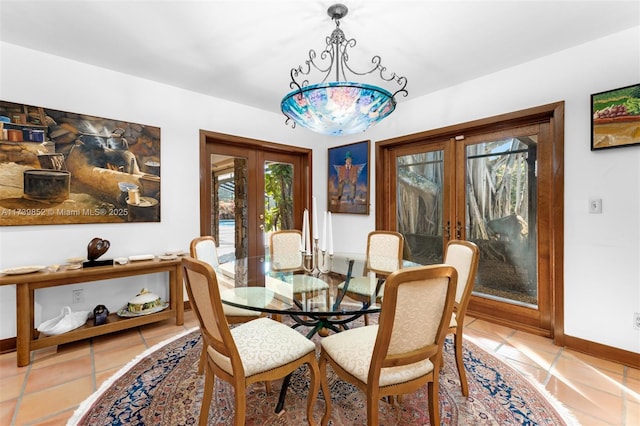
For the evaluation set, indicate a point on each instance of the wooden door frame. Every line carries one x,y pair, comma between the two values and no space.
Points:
553,114
208,137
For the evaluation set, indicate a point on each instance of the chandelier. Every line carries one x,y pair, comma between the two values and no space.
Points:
339,107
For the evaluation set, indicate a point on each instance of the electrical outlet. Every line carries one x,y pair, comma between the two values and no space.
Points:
77,296
636,320
595,205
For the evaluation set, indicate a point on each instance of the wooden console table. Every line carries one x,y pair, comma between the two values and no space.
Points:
26,284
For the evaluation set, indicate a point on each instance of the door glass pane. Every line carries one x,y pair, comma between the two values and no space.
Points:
228,206
501,216
278,199
419,199
278,196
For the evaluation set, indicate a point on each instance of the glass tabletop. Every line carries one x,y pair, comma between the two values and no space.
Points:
252,285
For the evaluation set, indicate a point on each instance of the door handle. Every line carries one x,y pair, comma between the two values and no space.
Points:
458,230
447,230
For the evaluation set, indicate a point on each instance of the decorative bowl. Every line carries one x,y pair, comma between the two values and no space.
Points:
144,301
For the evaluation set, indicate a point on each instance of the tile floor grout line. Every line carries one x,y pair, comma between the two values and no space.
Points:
22,389
504,340
552,366
93,364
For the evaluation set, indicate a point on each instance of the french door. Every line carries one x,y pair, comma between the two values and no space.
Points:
248,189
492,184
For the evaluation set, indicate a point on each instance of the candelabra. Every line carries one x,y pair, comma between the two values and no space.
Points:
317,261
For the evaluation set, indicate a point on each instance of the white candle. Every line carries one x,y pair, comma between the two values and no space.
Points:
303,240
324,232
315,220
307,245
330,235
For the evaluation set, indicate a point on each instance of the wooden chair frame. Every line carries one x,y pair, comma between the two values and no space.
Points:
321,285
231,319
380,273
467,277
381,359
219,339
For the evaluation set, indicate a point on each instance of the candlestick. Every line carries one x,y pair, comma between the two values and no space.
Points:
318,261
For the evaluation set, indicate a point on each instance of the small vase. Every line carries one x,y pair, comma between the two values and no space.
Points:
100,314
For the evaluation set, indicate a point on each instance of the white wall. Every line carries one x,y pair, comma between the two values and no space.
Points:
599,300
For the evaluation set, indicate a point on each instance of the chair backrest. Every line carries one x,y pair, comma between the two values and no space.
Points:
415,316
284,250
464,256
204,295
384,252
204,248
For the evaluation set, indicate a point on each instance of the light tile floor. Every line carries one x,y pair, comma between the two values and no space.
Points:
48,391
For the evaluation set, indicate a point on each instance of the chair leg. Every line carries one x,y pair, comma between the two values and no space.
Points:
458,350
434,406
209,382
372,409
324,384
314,387
241,402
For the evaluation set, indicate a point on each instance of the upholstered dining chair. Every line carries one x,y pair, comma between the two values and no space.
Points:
286,260
204,248
404,350
464,256
383,256
258,350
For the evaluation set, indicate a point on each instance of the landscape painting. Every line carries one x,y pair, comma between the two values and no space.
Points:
59,167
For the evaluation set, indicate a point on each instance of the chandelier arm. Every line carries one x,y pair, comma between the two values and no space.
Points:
289,119
310,65
402,81
377,62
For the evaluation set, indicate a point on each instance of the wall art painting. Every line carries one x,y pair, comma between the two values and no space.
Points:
348,185
615,118
59,167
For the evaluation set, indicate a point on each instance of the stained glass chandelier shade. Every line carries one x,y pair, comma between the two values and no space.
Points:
339,107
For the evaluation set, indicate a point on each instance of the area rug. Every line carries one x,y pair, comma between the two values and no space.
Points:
162,387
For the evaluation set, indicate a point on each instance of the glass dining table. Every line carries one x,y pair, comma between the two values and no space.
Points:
316,301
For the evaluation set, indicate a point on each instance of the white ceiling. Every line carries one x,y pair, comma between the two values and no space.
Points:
243,50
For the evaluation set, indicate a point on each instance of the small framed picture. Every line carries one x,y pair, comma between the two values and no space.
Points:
348,185
615,118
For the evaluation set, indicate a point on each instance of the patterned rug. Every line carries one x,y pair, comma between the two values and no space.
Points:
162,387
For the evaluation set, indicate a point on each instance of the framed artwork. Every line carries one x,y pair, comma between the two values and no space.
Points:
60,167
615,118
348,185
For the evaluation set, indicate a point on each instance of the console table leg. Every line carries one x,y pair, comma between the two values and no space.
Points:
24,307
176,283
